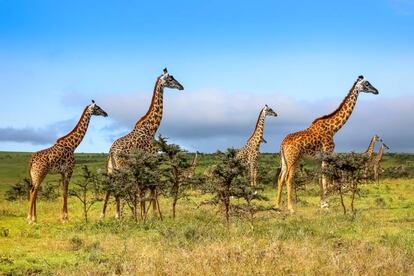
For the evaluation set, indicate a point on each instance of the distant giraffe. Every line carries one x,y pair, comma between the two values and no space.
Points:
142,135
371,147
189,173
59,159
376,162
250,152
318,137
369,153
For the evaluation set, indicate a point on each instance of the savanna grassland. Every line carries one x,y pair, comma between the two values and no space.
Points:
378,240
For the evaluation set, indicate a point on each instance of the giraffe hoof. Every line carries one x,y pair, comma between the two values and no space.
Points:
65,218
324,205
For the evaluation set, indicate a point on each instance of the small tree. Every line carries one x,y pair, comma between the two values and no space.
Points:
114,183
19,190
346,171
143,177
177,170
48,190
227,179
87,190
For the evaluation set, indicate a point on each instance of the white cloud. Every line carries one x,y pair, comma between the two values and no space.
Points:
210,120
35,136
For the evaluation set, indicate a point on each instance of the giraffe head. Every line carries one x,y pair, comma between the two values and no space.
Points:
268,111
262,140
385,146
168,81
363,85
376,138
96,110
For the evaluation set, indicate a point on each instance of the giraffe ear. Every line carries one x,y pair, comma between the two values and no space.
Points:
361,77
93,101
165,70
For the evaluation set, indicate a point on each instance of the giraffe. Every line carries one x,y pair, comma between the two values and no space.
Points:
251,150
375,163
368,153
317,138
370,150
59,159
189,173
142,135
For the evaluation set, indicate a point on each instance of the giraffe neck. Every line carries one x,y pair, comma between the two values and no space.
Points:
194,162
74,138
152,119
370,149
380,154
257,134
333,122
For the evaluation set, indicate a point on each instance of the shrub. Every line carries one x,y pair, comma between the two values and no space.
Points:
177,171
87,190
227,179
18,191
346,170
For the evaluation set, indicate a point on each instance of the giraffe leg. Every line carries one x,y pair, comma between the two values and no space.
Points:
31,218
289,184
118,207
376,175
65,181
29,212
281,180
252,176
154,202
105,204
324,192
365,175
36,180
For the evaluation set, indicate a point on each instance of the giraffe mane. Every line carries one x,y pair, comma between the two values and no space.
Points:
75,128
143,118
257,123
339,107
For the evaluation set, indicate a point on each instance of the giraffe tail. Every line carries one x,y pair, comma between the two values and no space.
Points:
283,165
30,180
111,163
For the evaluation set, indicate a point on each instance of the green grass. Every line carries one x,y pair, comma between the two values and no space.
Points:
379,240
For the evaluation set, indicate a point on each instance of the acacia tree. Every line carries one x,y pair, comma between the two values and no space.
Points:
143,183
48,191
177,171
19,190
227,179
346,170
87,190
114,183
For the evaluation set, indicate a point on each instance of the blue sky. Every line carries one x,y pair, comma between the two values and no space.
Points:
299,57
